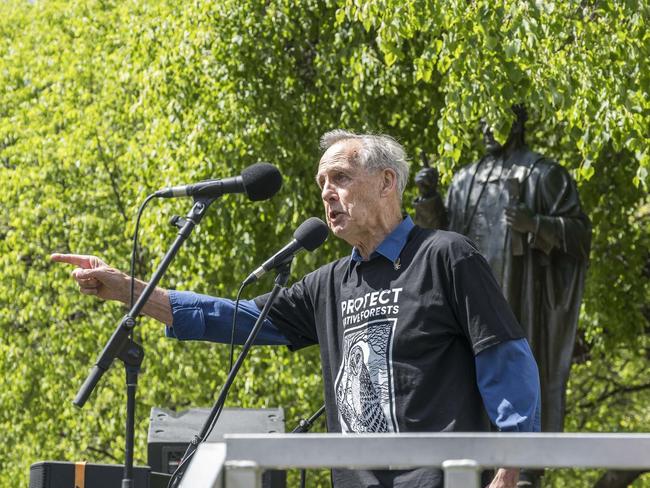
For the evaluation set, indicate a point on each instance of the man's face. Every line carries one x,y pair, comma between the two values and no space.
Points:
351,194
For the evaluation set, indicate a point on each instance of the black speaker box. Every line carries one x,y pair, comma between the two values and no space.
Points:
170,432
60,474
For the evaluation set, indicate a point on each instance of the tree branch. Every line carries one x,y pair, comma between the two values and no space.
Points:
114,185
103,452
615,391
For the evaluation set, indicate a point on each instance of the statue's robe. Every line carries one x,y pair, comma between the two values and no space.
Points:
542,274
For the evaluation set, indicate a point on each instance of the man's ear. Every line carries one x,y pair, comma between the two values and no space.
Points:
388,182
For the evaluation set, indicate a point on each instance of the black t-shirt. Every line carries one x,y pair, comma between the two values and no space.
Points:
398,341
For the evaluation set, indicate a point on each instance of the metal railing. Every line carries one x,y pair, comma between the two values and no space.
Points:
239,461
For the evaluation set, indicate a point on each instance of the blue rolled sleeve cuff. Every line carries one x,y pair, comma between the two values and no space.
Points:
188,320
508,380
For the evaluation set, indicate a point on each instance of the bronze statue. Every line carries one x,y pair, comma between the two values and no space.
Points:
523,212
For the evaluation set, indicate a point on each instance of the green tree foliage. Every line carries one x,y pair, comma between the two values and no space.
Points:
101,102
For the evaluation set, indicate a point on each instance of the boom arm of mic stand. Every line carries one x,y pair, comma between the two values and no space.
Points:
120,338
280,281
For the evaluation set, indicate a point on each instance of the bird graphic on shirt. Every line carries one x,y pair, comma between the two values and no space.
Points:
359,402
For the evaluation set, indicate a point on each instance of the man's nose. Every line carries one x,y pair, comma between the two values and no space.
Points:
328,193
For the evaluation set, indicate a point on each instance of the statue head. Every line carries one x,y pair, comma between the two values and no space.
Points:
517,131
491,144
515,138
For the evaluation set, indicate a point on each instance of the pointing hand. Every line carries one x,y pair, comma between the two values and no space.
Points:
95,277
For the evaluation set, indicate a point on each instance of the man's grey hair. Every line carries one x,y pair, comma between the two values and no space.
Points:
377,152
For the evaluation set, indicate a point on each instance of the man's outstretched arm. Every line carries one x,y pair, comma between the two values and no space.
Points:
187,315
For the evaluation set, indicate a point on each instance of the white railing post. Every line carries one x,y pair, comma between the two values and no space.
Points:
461,473
206,467
243,474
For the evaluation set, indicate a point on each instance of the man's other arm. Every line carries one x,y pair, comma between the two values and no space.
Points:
508,380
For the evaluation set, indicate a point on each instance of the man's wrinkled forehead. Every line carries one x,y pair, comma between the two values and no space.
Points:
342,152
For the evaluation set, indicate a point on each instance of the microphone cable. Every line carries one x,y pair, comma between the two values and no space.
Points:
234,327
134,250
134,255
232,356
179,469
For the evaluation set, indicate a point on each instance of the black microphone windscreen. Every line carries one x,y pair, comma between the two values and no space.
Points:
261,181
311,233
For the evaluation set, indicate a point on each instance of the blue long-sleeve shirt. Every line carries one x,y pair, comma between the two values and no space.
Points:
506,373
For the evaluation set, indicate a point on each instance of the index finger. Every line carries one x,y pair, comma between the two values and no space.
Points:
81,260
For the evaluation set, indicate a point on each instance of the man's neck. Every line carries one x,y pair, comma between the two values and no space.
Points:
367,243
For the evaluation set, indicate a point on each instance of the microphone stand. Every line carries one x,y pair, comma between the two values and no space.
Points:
122,346
280,281
303,427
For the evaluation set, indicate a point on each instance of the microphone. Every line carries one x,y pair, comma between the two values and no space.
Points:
259,181
309,235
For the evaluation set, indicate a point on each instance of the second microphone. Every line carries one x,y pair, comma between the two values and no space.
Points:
311,234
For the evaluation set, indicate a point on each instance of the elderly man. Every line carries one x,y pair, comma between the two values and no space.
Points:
414,333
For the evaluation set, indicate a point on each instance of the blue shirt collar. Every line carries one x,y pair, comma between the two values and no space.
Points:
391,247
